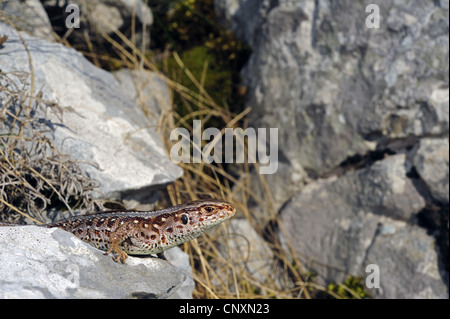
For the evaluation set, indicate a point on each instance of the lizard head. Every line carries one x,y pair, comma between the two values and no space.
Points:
205,214
190,220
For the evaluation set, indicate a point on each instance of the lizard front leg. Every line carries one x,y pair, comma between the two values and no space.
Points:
115,239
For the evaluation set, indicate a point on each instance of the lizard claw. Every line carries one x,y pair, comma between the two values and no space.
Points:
121,255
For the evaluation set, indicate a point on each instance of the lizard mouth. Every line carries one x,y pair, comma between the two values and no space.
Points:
229,213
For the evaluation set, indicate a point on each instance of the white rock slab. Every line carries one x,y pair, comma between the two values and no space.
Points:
104,128
37,262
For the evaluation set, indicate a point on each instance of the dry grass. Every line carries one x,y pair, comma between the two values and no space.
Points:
34,175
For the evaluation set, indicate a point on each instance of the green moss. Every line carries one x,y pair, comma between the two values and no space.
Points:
355,284
218,80
189,27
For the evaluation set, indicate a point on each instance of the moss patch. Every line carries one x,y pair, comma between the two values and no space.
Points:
352,288
189,27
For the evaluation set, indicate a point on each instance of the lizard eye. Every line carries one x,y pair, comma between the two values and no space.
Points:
184,219
209,209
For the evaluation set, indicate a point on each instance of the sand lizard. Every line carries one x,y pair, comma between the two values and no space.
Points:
147,232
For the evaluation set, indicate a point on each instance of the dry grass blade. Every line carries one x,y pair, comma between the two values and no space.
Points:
19,211
215,275
34,175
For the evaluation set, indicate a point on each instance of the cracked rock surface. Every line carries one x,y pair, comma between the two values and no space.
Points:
338,226
362,118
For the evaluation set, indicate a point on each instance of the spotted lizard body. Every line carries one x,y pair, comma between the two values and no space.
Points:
147,232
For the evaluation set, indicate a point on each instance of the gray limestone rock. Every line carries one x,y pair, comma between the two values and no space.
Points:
180,260
431,163
29,16
37,262
251,254
147,89
339,91
335,88
116,144
98,18
338,226
408,263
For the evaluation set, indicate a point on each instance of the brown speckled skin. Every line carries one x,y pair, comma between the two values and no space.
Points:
145,233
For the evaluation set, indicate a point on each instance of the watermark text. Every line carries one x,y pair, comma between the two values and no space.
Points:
259,141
